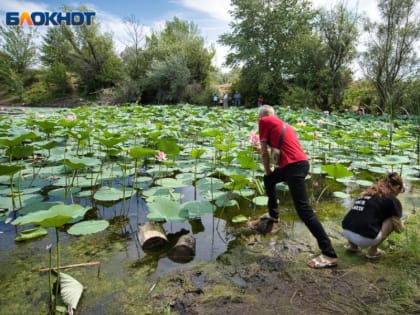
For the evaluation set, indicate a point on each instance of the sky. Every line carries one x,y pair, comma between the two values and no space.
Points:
211,16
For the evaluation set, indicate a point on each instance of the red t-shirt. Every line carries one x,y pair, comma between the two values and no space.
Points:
269,128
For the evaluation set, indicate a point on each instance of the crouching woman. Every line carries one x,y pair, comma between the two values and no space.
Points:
374,216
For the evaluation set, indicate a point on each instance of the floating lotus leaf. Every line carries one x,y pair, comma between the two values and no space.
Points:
198,208
392,159
224,201
171,183
209,184
110,194
7,203
88,227
166,210
31,234
71,290
62,193
260,200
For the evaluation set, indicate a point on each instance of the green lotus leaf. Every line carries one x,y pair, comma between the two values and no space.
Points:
31,234
246,160
11,169
56,216
209,184
336,170
340,194
166,210
197,153
88,227
109,194
197,208
239,219
260,200
392,159
140,153
170,183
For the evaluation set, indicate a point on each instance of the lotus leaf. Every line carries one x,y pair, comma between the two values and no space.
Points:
197,208
109,194
166,210
31,234
88,227
260,200
239,219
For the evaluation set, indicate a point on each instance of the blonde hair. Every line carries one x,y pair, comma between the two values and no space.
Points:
391,184
266,110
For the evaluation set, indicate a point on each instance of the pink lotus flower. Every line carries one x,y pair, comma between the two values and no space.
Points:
71,117
161,156
253,137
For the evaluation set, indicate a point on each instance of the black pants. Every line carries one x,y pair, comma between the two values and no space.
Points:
294,175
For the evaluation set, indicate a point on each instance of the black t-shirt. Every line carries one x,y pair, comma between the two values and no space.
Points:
369,212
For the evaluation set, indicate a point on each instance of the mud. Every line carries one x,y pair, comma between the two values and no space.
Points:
268,275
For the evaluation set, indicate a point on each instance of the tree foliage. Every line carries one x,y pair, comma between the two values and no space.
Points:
390,59
17,56
265,39
179,46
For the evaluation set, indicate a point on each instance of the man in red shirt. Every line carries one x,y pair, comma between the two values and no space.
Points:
292,168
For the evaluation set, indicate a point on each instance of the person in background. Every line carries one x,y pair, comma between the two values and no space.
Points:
292,168
237,98
260,101
215,99
225,100
374,216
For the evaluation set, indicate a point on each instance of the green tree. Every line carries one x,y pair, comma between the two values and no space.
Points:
340,34
84,52
17,56
265,40
180,43
390,57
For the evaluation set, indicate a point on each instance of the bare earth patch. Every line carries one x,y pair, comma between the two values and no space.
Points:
269,276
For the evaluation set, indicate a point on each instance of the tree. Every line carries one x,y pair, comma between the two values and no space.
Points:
134,60
83,51
17,55
390,58
265,41
339,31
180,44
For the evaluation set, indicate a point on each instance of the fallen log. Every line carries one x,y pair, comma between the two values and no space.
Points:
151,236
184,250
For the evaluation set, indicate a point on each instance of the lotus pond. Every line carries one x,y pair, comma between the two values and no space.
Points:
76,184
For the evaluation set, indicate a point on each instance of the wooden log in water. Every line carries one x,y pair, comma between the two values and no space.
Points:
184,249
151,236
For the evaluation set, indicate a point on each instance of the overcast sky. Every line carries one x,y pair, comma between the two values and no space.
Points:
211,16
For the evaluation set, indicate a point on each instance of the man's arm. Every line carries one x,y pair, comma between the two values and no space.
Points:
265,157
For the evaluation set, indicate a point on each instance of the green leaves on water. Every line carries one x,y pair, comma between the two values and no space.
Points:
56,216
88,227
336,170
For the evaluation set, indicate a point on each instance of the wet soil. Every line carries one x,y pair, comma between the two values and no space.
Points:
269,275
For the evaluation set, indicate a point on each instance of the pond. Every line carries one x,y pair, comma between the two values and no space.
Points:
109,161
